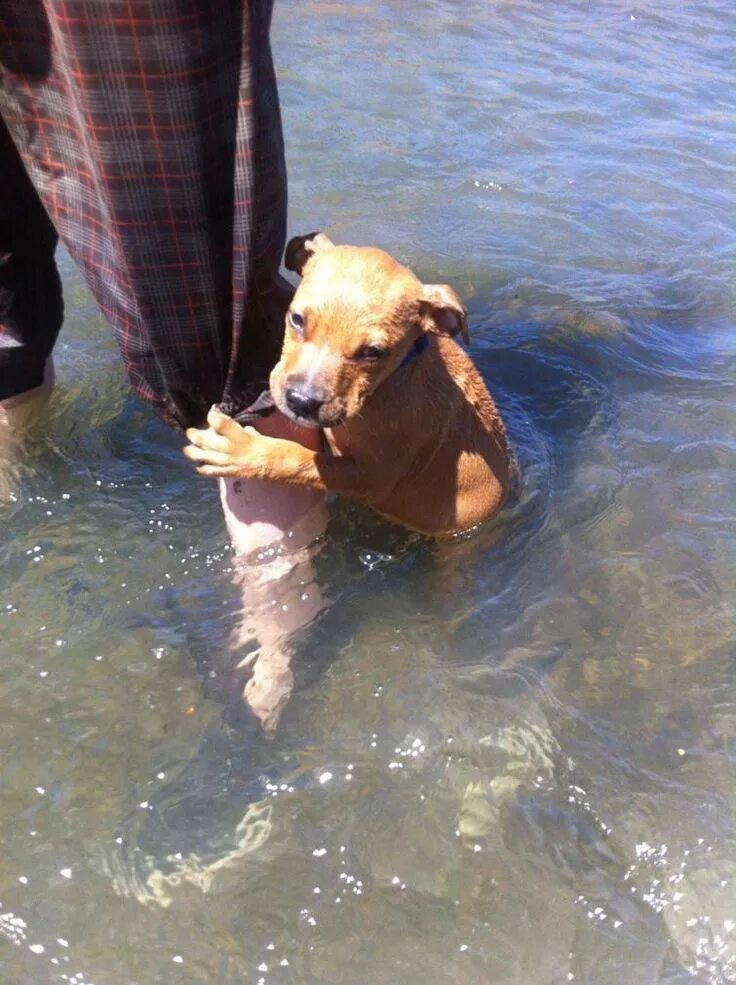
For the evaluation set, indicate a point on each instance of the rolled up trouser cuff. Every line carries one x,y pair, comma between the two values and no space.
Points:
262,405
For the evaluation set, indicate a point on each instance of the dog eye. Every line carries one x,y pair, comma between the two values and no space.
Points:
296,321
369,352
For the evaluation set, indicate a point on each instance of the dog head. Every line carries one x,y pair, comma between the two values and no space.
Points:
355,316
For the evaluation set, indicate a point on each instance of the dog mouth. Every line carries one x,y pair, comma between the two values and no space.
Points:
321,418
311,422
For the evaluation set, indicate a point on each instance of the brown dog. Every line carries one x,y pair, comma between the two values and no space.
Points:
369,357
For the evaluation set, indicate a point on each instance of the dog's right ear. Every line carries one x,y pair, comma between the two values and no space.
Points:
301,248
444,313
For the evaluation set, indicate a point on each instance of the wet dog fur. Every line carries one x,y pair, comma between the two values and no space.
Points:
370,357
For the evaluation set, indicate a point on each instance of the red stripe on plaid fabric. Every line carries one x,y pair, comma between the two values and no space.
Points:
163,177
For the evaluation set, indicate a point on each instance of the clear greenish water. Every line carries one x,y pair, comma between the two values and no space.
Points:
507,760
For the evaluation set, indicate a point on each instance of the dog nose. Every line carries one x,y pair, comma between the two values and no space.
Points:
302,404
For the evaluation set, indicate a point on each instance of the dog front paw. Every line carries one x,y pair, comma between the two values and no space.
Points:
225,448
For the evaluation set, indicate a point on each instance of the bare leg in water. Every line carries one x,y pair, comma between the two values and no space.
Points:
273,529
17,415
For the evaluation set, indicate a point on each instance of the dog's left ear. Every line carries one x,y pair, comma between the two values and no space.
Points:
443,311
301,248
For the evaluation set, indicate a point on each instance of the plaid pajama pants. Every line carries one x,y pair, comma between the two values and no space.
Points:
147,135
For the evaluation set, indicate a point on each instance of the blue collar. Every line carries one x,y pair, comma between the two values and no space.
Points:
416,350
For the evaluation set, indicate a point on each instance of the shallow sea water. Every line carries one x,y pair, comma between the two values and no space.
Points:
507,759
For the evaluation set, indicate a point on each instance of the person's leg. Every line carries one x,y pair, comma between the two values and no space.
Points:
17,415
177,213
18,412
30,307
273,529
